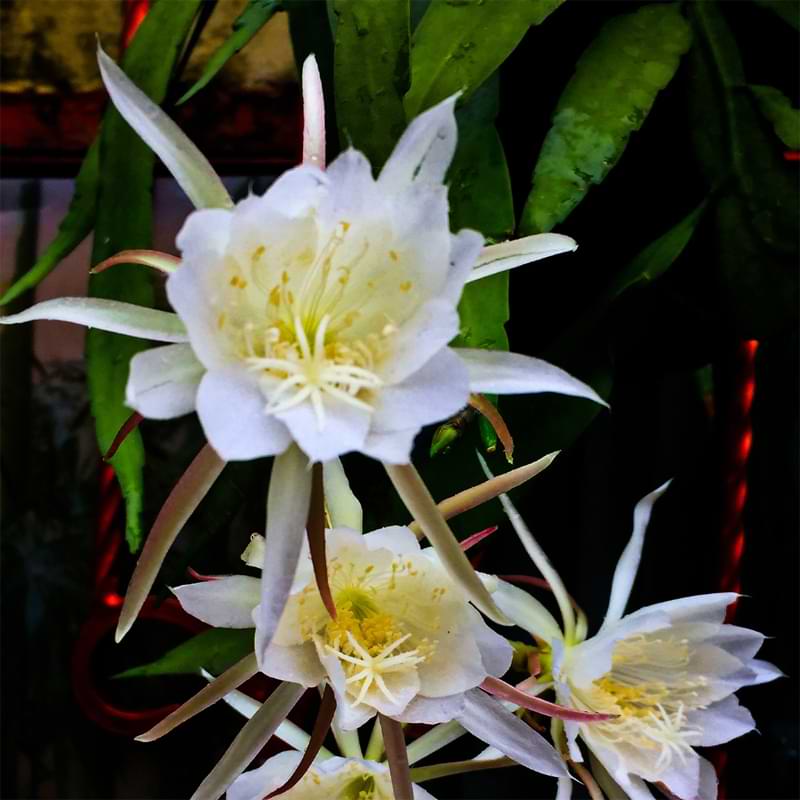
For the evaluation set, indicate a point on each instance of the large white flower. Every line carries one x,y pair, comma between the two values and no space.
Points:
309,322
405,642
404,635
332,779
667,672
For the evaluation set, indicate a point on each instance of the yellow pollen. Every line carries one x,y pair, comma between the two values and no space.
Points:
258,252
393,255
405,286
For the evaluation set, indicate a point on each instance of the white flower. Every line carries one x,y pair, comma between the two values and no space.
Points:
668,672
334,778
405,641
311,321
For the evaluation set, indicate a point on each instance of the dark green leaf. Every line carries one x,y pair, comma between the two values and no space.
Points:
659,255
787,10
371,74
778,109
256,15
458,44
214,650
74,228
742,147
615,84
124,222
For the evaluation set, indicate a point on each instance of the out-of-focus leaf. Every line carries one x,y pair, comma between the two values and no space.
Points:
371,74
757,218
615,84
787,10
124,221
74,228
214,650
743,146
458,45
778,109
658,256
256,15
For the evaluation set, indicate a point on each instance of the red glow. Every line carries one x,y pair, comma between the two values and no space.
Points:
112,600
792,155
135,12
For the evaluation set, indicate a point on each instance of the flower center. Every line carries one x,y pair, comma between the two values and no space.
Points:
295,318
651,691
369,644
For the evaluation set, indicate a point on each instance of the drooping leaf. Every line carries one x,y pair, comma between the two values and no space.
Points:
256,15
74,228
615,84
371,74
458,45
214,650
778,109
124,221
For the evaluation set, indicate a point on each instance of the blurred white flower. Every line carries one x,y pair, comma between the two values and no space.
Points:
335,778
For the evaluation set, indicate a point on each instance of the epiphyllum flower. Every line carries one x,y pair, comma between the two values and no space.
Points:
311,321
333,779
405,642
667,672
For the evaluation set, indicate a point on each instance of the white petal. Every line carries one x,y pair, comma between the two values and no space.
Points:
707,789
224,603
698,608
287,511
259,783
487,719
343,506
207,230
397,538
740,642
390,447
420,338
465,247
762,672
231,411
343,430
628,564
352,190
682,778
721,722
434,392
294,194
187,164
516,252
313,114
163,382
425,149
106,315
525,610
496,372
496,652
455,666
298,664
564,790
432,710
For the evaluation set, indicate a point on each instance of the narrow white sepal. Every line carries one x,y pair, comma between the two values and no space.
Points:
498,372
517,252
186,163
628,564
313,115
343,506
106,315
287,512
